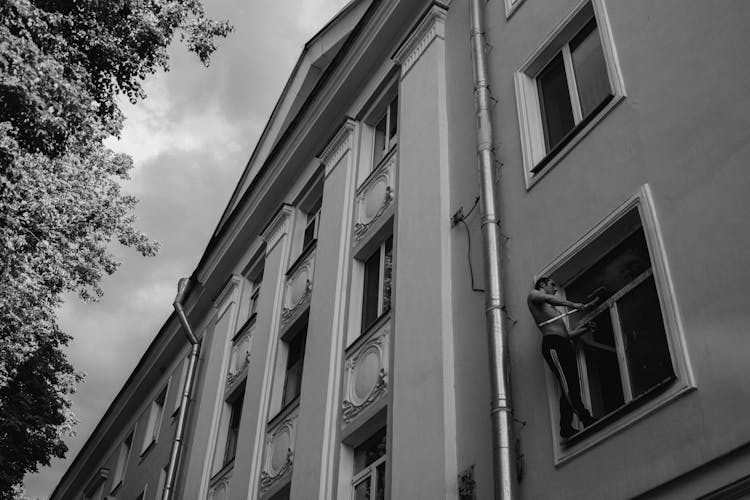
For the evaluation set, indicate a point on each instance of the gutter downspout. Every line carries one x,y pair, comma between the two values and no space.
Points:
174,455
501,412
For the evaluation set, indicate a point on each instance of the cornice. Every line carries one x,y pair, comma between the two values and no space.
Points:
430,27
338,147
277,227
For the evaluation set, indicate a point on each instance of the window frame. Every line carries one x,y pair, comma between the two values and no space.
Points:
537,160
121,466
564,269
380,250
155,419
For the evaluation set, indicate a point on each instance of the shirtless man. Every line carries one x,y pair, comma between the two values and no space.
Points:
558,352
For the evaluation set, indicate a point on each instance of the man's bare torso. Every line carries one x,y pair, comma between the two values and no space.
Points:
541,312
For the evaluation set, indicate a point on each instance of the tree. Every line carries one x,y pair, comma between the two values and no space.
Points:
63,63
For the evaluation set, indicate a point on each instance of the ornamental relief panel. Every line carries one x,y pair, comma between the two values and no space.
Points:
375,196
240,355
366,373
279,451
219,489
298,288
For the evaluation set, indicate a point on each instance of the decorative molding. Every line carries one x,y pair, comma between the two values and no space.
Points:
267,480
222,481
288,312
379,343
384,173
234,372
292,305
269,476
432,26
338,147
277,227
350,410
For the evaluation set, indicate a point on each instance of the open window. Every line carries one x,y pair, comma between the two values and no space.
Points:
376,290
632,360
368,482
386,131
566,86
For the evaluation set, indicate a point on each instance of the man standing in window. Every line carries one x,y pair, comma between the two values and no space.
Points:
558,352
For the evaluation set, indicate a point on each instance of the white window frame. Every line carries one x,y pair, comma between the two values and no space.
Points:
380,250
155,418
533,145
369,473
684,379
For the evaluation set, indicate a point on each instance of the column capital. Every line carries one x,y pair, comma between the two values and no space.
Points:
278,226
430,27
339,145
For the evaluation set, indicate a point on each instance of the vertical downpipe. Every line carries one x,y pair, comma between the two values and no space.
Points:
174,455
501,411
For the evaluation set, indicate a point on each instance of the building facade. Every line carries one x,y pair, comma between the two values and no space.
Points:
340,303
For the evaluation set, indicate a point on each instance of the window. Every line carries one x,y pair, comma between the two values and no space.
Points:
234,427
631,360
255,295
94,490
294,364
154,420
627,354
567,85
378,273
369,468
311,227
386,132
122,461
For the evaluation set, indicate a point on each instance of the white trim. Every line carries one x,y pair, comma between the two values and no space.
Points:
533,147
432,26
342,142
278,227
642,200
511,6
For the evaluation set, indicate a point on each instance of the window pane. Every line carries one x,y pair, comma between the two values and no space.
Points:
369,451
371,289
605,384
362,490
294,363
590,69
379,150
393,124
387,275
645,341
380,486
554,100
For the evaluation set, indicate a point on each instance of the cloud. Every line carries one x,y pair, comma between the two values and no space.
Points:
190,140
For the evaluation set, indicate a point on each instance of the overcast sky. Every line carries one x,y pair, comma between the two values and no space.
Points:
190,141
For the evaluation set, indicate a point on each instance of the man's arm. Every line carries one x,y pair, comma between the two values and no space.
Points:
537,297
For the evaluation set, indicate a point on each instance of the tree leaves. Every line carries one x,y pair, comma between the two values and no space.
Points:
62,65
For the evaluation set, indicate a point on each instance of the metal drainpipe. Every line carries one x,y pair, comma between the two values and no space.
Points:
174,455
497,338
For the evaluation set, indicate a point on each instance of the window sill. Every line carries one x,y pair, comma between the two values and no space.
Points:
376,325
620,419
284,412
225,469
147,449
573,137
302,256
116,488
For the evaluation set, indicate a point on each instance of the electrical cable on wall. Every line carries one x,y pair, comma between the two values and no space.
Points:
460,217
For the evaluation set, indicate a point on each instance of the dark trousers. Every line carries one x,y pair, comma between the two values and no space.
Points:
559,355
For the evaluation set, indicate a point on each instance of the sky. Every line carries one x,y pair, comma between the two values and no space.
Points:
190,140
